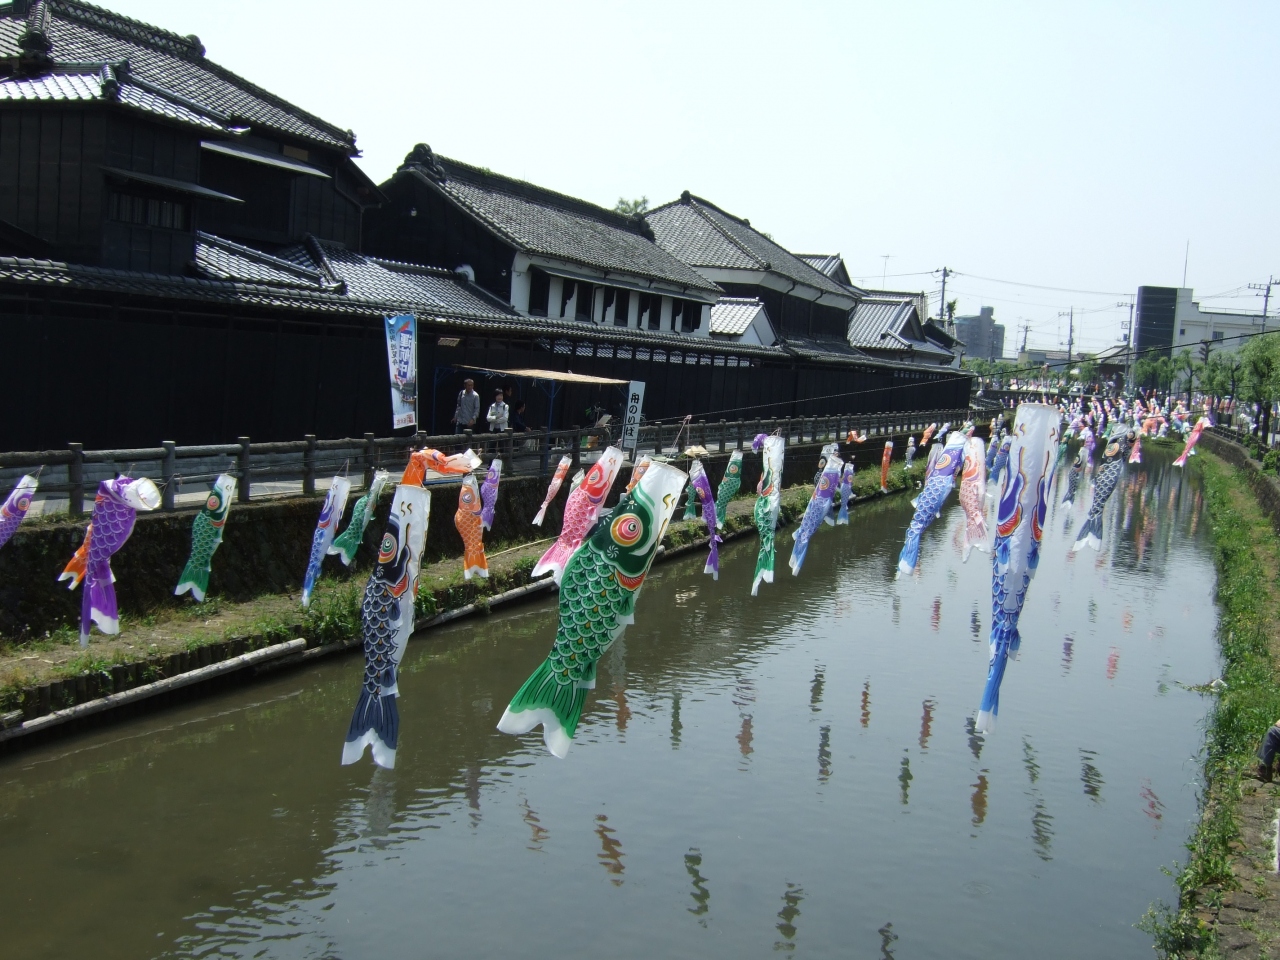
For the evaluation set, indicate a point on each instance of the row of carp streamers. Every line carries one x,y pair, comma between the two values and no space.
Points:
601,558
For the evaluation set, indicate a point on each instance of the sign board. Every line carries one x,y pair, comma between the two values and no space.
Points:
631,422
402,360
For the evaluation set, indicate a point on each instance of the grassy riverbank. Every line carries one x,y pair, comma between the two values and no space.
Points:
53,672
1227,895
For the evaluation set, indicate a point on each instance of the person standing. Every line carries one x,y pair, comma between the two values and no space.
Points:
498,413
1267,752
468,410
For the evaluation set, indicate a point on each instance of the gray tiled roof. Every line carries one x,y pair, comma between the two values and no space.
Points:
543,222
873,317
352,286
731,316
700,233
824,263
884,324
185,84
84,84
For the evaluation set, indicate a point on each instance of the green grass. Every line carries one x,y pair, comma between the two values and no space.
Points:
1244,553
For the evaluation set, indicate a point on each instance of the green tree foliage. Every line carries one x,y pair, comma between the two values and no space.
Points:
1187,369
632,208
1153,372
1260,375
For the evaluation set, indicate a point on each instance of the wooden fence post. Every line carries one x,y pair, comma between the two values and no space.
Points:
722,433
370,459
309,466
75,479
577,450
169,470
242,467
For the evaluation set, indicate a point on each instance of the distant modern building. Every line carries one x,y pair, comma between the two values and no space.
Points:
983,338
1168,319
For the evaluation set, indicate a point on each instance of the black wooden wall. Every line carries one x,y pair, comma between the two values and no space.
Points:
111,371
438,233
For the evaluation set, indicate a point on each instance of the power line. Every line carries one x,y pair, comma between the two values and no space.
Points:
1038,286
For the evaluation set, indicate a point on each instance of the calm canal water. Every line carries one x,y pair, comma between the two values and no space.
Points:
793,774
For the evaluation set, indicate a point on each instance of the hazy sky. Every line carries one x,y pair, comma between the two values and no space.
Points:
1080,147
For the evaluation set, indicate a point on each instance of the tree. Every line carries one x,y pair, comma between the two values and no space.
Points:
1153,373
1186,365
951,309
632,208
1260,376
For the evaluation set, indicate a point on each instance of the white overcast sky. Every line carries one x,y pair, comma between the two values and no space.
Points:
1076,145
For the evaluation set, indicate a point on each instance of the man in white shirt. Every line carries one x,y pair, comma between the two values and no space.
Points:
468,408
498,414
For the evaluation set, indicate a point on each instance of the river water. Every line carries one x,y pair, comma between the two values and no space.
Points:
792,774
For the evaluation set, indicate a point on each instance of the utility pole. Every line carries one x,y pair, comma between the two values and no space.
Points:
1026,328
942,304
1128,353
1266,296
1071,333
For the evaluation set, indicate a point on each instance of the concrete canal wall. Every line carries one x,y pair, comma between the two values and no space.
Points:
266,545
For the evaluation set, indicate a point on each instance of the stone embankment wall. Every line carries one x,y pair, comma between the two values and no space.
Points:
266,545
1265,488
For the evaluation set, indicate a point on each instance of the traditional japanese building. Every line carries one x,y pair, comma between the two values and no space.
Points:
186,256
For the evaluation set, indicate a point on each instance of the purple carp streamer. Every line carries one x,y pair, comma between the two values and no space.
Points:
701,484
115,509
15,507
1020,516
489,493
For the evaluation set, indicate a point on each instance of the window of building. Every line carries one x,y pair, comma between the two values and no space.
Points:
149,211
1217,335
624,353
539,292
690,315
642,353
621,307
659,356
650,311
1182,331
565,296
586,298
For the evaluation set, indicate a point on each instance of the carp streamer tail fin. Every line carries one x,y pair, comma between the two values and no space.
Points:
1090,534
553,560
195,579
375,723
557,707
910,555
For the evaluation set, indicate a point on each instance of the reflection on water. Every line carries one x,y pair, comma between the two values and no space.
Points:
978,802
791,900
1090,775
887,937
905,777
926,723
701,892
228,828
610,854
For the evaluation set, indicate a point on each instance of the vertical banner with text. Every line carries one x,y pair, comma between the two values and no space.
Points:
402,359
631,424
